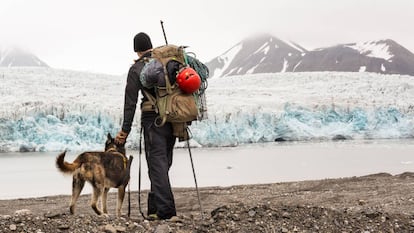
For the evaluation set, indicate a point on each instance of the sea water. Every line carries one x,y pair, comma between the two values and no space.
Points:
34,174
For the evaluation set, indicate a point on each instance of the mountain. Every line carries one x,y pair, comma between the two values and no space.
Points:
382,56
268,54
16,57
259,54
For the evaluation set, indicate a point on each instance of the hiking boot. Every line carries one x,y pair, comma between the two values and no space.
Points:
153,217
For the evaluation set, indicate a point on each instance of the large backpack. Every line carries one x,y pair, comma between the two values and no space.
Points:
172,104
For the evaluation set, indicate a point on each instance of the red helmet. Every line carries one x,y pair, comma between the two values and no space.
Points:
188,80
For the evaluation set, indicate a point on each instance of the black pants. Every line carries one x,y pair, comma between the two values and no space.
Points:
159,145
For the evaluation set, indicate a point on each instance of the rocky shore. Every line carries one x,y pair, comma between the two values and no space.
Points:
372,203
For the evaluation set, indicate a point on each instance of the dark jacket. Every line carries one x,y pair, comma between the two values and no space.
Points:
133,86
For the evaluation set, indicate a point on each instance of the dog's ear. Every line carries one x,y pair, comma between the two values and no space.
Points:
109,137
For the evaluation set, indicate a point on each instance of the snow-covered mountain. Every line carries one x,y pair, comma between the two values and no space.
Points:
17,57
258,54
267,54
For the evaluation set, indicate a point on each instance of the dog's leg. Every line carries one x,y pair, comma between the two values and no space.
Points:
97,192
104,198
121,195
77,186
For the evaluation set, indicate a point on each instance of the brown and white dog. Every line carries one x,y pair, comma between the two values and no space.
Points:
103,170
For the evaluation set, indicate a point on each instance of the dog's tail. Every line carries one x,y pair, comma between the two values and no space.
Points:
66,167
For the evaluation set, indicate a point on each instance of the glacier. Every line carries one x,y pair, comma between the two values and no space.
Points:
45,109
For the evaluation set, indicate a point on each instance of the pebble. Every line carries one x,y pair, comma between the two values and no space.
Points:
252,213
13,227
22,212
53,215
63,227
5,217
361,202
285,215
164,228
109,228
120,229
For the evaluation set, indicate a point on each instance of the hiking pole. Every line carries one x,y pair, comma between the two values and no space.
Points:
163,31
129,199
139,175
195,179
129,183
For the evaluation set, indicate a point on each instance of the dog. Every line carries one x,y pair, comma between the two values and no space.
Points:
103,170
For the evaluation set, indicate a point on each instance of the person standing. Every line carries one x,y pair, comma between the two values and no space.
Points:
159,141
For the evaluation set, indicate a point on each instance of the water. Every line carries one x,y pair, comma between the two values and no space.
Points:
35,175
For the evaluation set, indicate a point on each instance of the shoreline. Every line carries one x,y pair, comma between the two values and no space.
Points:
375,202
36,175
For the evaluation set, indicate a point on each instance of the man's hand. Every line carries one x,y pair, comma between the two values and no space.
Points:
121,137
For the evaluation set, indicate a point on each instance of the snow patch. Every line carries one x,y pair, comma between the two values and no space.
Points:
383,69
373,49
264,48
294,68
362,69
251,70
226,58
285,65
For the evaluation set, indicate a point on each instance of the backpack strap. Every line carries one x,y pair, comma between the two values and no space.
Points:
159,121
151,99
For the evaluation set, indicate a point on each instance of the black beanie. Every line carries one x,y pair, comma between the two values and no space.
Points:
142,42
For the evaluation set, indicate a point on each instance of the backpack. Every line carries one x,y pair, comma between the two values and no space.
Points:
172,104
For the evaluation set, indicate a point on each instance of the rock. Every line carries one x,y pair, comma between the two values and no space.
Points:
252,213
63,227
53,215
372,214
136,227
120,229
285,215
339,137
22,212
362,202
175,219
109,228
13,227
164,228
5,217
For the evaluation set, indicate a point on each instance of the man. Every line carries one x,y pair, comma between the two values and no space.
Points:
159,141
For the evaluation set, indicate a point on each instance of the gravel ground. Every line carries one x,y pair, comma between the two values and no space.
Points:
373,203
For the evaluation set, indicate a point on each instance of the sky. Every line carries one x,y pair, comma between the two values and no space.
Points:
97,35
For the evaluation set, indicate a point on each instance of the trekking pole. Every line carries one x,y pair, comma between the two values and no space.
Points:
129,199
195,179
163,31
128,179
139,175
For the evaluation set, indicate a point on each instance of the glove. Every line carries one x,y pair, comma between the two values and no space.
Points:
121,137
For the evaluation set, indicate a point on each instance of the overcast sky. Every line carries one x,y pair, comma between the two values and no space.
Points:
97,35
